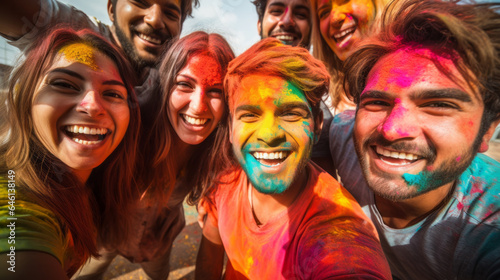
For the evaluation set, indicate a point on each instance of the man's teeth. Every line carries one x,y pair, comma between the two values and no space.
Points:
344,32
195,121
284,37
86,130
397,155
149,39
276,155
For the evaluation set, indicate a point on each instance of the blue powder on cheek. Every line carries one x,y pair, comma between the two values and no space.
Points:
307,130
420,180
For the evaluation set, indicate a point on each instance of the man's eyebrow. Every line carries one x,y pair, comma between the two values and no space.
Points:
172,6
276,3
302,7
67,72
450,93
295,105
246,108
373,94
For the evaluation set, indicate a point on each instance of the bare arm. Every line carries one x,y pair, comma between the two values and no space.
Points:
31,265
17,17
210,259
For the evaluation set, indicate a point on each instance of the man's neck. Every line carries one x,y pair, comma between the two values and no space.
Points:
266,206
405,213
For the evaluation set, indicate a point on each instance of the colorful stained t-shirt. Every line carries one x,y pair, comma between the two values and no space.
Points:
322,235
461,241
36,228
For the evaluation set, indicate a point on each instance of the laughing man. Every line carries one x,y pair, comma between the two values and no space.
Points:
428,101
276,214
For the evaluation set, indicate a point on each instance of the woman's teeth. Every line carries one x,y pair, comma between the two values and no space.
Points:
90,135
86,130
195,121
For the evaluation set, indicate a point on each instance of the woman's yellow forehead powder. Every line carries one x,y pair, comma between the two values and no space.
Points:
81,53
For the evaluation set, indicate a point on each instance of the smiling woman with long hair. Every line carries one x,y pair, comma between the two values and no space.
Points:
176,146
69,123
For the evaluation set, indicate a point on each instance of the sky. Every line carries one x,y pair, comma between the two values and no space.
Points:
236,20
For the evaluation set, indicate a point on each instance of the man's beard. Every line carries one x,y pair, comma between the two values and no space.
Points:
425,181
129,48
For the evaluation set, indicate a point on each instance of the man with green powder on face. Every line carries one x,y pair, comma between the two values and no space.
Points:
427,91
277,215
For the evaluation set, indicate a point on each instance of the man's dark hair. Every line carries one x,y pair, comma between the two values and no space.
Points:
186,7
260,6
468,33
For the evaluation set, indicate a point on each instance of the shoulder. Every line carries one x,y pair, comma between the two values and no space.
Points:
333,209
228,183
36,228
330,190
478,190
339,230
343,121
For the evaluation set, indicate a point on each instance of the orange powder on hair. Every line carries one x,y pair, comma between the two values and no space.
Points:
81,53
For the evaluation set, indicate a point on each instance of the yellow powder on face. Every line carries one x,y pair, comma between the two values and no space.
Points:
81,53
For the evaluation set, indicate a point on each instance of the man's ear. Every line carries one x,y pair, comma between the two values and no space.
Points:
318,126
487,136
111,12
259,27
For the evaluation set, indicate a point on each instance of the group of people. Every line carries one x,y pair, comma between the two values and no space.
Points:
106,130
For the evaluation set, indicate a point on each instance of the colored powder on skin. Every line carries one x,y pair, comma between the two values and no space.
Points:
400,78
397,112
458,158
308,132
207,69
420,180
81,53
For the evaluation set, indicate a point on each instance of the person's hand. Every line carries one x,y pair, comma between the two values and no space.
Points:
202,213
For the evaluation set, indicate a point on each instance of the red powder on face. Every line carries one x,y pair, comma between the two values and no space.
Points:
458,158
430,168
207,68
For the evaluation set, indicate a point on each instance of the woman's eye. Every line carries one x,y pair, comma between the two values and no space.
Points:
114,94
184,85
63,84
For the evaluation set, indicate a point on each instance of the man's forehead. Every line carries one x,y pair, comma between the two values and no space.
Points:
409,66
171,3
258,89
293,3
